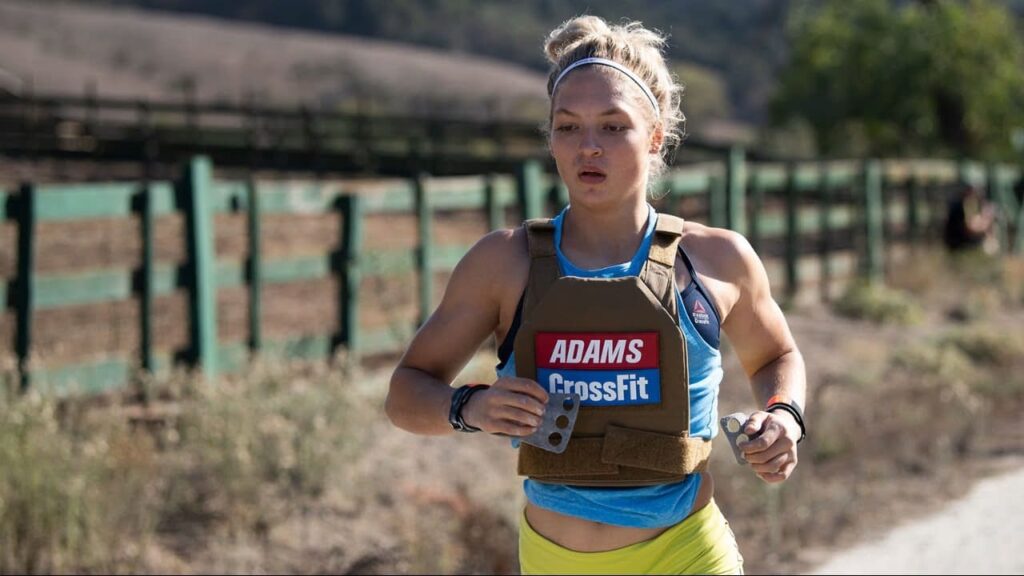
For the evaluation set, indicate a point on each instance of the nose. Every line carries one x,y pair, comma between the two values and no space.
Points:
589,146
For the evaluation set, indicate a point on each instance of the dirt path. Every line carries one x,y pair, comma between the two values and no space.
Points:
977,534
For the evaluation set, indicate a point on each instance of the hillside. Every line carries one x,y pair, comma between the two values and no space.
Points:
72,48
739,43
128,52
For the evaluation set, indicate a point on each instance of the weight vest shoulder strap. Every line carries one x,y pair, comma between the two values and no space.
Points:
540,239
658,272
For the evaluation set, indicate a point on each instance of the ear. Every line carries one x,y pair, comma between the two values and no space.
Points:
657,139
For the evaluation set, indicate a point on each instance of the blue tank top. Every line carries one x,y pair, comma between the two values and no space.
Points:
644,506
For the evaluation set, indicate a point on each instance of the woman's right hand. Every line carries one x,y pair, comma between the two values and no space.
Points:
511,406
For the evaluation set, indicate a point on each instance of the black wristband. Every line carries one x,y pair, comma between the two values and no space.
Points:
459,400
793,408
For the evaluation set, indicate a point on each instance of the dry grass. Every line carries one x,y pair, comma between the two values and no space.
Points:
97,488
292,467
71,487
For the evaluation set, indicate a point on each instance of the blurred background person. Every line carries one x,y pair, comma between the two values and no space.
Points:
970,220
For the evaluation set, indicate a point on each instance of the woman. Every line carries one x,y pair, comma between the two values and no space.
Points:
625,496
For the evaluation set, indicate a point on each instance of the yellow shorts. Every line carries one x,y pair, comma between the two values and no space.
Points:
700,544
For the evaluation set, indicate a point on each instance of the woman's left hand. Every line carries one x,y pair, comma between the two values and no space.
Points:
771,451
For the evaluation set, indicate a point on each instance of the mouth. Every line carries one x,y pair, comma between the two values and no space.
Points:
591,175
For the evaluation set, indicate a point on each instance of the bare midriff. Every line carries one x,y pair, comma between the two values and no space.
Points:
586,536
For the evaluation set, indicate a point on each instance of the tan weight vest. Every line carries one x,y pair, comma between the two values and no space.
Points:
631,445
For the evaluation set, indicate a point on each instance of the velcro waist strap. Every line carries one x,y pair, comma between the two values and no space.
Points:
653,450
676,455
582,456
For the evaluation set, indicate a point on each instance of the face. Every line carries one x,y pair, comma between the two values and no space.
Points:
602,137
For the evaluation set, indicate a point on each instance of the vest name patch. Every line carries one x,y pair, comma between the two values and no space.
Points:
604,368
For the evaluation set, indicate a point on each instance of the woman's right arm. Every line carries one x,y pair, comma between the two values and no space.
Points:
420,393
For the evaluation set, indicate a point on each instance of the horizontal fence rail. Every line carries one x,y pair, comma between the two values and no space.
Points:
361,140
102,280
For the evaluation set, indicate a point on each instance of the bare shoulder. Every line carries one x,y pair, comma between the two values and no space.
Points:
723,254
726,263
505,242
500,255
495,269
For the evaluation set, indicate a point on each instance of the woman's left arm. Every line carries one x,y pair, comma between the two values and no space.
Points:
765,346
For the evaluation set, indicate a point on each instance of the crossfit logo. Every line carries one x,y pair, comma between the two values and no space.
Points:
604,368
700,314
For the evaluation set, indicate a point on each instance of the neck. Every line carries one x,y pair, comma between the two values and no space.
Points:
603,237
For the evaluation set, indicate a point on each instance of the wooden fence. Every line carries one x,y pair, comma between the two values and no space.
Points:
320,141
102,280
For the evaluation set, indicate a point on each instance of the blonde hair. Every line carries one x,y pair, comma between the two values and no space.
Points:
632,46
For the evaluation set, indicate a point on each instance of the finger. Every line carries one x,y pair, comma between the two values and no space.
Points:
522,402
771,465
771,478
510,428
530,388
757,445
769,444
505,397
787,469
762,456
755,423
766,438
776,477
522,417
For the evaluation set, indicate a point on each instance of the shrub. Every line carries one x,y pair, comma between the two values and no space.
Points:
877,303
84,489
273,430
74,496
983,345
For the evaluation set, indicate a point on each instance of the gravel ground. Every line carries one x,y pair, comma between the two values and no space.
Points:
978,534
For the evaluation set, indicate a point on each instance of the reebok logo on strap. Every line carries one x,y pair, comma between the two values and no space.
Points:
604,368
700,314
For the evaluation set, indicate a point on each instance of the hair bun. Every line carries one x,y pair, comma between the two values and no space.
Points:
571,33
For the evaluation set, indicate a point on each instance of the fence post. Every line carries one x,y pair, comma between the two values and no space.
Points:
874,268
202,264
913,210
352,220
736,179
756,205
1012,217
528,180
717,202
255,271
26,266
825,221
935,200
495,212
997,196
424,218
792,235
148,275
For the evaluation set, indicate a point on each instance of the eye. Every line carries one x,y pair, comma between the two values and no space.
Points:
616,127
565,128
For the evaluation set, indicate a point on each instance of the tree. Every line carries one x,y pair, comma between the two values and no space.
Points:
927,77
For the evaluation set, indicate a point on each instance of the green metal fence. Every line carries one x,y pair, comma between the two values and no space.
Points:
815,224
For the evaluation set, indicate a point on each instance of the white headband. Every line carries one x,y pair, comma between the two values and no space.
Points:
612,64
